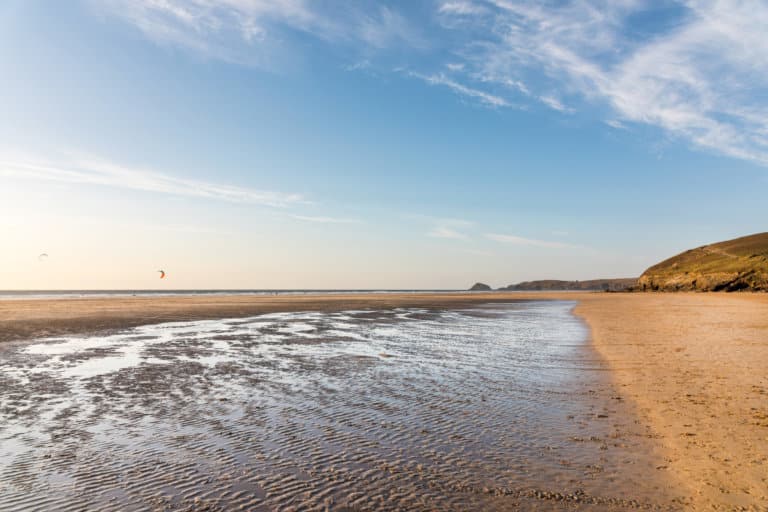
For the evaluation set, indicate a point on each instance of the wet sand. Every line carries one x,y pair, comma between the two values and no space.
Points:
666,408
35,318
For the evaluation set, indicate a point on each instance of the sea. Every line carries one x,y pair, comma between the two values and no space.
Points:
47,294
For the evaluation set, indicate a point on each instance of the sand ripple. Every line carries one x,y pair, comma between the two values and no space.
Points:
495,408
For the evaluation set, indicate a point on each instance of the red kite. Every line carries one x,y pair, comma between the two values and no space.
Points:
162,274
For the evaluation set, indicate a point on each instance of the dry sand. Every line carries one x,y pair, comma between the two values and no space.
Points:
692,367
696,366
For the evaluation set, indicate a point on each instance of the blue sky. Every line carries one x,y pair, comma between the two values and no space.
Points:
341,144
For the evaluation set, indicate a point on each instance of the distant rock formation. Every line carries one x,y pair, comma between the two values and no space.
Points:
612,285
480,287
734,265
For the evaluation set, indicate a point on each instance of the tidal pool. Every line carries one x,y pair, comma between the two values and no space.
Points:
495,407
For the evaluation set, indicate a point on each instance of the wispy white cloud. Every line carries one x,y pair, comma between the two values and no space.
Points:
461,7
444,227
508,83
699,71
248,31
555,104
384,28
701,77
518,240
98,171
488,99
325,220
446,232
229,30
359,65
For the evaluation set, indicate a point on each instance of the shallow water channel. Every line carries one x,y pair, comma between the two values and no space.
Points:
494,407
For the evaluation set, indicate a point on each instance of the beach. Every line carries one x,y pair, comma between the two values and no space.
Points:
39,317
506,401
696,366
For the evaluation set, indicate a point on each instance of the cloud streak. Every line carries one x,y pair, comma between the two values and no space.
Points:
450,229
528,242
249,32
446,232
698,70
488,99
701,78
90,170
324,220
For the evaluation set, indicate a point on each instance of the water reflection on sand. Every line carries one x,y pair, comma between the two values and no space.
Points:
493,407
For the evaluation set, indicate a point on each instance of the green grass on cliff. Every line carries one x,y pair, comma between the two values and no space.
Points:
749,253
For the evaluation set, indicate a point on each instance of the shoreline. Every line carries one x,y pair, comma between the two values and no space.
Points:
693,366
30,318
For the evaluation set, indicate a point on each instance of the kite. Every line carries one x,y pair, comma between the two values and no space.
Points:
162,274
42,257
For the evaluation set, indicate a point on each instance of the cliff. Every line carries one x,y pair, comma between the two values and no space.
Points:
593,284
733,265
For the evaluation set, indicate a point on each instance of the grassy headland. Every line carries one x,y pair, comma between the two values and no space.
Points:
734,265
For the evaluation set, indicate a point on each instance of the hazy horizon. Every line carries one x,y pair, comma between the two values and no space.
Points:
242,144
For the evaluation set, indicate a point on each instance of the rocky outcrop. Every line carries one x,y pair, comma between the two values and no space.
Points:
480,287
735,265
613,285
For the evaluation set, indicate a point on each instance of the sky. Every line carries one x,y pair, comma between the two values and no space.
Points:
361,144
